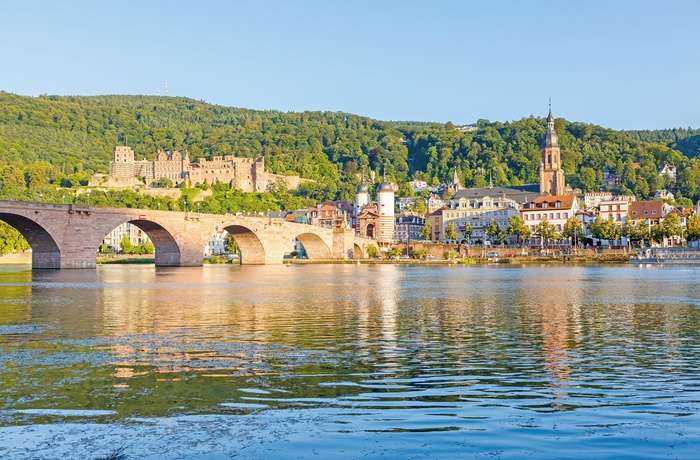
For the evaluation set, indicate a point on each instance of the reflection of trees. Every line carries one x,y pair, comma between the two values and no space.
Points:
15,298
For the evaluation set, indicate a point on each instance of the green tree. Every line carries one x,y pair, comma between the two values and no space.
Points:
468,231
394,252
494,231
669,227
426,232
517,227
605,229
372,251
692,227
127,247
451,232
573,229
545,231
165,182
11,240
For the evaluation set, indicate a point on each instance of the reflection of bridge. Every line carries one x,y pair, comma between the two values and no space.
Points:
69,235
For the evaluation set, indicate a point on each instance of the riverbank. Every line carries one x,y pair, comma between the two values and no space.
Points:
26,259
559,259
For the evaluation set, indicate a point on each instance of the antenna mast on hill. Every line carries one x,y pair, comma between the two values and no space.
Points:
166,88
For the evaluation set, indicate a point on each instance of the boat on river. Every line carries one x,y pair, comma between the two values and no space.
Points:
669,256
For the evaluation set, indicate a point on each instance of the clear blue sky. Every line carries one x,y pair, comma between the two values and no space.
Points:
619,64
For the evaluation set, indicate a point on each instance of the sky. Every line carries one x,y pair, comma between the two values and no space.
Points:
619,64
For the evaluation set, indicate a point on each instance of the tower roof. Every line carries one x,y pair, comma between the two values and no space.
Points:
551,140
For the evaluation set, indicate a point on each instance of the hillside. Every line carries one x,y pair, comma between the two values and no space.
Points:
67,138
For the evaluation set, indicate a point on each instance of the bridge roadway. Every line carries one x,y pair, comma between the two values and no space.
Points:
69,235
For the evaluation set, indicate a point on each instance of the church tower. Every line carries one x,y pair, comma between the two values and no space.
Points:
551,172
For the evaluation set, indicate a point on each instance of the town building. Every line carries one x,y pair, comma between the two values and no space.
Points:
669,170
477,212
433,202
555,209
436,227
327,216
418,185
593,199
408,227
407,202
615,209
114,239
245,174
651,211
217,244
663,194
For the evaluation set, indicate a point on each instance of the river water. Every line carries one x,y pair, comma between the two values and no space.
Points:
350,361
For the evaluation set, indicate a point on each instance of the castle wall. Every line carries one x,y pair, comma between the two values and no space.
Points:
246,174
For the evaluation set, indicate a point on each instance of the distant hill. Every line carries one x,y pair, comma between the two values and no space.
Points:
77,135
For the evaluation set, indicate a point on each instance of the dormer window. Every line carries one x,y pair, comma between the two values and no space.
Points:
545,205
557,204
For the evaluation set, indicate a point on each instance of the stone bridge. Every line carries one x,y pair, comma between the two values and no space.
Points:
69,235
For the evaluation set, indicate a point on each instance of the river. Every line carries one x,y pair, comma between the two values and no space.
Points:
350,361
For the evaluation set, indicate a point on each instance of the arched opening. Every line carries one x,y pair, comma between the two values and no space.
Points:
357,252
45,252
143,238
370,231
314,246
251,249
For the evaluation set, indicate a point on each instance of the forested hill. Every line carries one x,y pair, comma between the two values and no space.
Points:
75,136
687,140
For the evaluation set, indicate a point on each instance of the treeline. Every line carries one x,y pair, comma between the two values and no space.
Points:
78,134
685,140
510,153
61,141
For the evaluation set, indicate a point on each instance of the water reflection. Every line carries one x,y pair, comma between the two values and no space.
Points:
371,349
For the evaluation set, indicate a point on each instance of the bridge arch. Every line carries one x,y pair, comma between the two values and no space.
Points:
252,249
357,252
314,246
167,251
45,251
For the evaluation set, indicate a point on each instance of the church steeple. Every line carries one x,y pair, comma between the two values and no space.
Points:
551,171
551,139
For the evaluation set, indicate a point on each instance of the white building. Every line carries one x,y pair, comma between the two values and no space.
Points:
663,194
418,185
216,244
556,209
593,199
478,212
135,235
615,209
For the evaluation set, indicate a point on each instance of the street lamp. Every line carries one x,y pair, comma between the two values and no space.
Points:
40,195
88,198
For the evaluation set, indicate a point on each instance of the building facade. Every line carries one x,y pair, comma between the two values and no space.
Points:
477,213
408,228
554,209
246,174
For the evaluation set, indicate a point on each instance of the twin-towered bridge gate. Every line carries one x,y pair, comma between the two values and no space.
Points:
69,235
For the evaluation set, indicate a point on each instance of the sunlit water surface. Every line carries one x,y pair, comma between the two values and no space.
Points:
347,361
